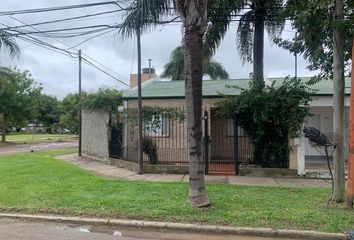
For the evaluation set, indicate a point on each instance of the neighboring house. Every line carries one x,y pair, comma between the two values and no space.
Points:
170,143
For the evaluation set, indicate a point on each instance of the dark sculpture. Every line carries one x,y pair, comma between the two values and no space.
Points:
315,136
319,139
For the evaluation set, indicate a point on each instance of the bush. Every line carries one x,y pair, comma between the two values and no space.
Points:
270,117
149,148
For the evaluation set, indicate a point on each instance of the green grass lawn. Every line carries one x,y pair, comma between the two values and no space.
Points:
36,182
38,138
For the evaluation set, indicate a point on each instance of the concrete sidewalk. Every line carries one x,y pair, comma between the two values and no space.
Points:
114,172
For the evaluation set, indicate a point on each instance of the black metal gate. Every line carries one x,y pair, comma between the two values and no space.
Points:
226,146
115,145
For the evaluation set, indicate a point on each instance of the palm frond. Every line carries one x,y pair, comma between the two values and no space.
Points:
219,17
215,70
175,67
145,14
274,22
245,33
9,43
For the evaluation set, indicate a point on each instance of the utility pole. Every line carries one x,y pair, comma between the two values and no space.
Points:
149,68
140,108
338,102
80,106
350,183
296,57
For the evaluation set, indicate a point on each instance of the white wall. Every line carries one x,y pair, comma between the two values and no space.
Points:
323,120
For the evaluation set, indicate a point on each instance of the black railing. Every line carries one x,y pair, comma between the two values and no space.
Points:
165,143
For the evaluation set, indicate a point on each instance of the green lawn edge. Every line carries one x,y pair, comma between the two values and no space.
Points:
39,183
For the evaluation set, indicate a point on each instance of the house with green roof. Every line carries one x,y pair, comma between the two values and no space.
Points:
169,140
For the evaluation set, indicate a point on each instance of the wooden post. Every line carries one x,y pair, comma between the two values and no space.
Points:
350,183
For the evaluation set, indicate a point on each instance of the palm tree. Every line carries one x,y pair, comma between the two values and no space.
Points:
8,42
175,67
261,15
144,14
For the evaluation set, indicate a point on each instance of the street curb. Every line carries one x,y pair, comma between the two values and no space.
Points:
247,231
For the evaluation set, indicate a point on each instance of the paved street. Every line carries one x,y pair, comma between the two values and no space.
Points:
12,149
14,229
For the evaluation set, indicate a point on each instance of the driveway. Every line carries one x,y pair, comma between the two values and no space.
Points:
21,148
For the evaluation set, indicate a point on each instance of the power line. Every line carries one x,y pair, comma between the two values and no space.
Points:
69,47
105,26
97,62
40,10
62,20
98,35
100,69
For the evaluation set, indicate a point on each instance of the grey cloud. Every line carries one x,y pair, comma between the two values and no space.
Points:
59,73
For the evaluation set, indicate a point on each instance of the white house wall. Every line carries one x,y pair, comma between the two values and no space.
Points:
323,120
326,101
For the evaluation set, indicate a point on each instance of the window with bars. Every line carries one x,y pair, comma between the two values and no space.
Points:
158,127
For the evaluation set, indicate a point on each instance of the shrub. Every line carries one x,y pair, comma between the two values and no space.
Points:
270,117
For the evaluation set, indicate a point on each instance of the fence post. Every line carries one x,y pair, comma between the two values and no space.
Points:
206,142
235,152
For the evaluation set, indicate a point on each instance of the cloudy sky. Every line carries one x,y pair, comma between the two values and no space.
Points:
59,73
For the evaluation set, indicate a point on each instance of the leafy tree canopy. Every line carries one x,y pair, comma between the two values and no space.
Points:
314,23
19,97
48,110
103,100
70,112
271,116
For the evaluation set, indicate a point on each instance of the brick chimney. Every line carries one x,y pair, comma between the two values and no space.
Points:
145,72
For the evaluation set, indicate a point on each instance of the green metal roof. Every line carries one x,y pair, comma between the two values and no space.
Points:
155,89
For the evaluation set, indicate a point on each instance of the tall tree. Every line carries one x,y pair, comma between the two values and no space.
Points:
70,112
261,15
325,40
48,111
338,102
175,67
193,14
19,98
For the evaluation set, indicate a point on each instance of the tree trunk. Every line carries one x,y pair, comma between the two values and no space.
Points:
193,14
258,49
338,111
350,183
4,126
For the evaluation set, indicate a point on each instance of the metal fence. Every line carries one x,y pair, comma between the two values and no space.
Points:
164,141
226,148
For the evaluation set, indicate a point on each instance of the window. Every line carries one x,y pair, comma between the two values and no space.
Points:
158,127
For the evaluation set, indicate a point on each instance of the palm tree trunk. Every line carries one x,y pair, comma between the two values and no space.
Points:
194,19
258,49
4,126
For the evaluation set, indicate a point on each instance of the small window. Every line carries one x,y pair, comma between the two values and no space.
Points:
230,128
158,127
